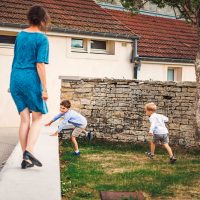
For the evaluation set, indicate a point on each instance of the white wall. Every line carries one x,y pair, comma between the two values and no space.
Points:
69,63
158,71
8,113
63,62
188,73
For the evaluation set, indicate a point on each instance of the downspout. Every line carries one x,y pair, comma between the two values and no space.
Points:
135,59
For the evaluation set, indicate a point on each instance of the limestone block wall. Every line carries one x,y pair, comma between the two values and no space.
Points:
115,108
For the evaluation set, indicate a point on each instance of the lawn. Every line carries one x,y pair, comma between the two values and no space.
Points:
105,166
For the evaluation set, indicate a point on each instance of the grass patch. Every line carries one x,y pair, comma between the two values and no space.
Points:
105,166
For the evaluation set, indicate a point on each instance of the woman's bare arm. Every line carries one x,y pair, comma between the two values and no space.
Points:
42,74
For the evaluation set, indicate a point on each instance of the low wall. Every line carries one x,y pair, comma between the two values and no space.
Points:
115,108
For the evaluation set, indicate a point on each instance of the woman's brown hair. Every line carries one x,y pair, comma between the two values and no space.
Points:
38,16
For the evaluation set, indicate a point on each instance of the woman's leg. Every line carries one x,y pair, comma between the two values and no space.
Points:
34,131
24,128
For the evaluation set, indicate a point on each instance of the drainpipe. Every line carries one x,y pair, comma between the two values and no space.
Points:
135,59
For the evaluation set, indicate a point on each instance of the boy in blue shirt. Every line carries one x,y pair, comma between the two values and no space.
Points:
74,118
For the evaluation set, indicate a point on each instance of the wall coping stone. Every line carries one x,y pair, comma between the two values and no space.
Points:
166,83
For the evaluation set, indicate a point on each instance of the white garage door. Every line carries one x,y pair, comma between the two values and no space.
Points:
8,113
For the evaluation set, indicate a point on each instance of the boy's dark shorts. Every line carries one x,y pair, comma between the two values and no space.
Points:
162,138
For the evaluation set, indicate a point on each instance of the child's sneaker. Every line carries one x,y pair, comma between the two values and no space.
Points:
149,155
76,153
89,135
172,160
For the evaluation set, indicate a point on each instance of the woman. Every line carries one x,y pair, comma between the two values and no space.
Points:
28,81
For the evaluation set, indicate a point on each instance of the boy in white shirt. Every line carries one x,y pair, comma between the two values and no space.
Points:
158,130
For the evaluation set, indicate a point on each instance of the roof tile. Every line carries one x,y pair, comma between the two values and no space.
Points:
83,15
161,37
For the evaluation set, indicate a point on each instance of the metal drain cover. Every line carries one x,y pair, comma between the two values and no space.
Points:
121,195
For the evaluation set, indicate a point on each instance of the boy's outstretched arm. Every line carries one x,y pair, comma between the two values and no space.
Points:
55,134
49,123
54,119
62,125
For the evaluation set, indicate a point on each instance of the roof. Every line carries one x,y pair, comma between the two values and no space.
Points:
161,37
73,16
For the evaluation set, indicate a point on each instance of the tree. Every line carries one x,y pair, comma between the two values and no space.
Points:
108,1
188,9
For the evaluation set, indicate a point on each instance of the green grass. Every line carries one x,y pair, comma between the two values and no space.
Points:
105,166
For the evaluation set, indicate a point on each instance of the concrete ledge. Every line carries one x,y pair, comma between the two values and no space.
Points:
71,78
33,183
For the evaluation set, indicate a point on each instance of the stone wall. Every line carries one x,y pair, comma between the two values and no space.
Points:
115,108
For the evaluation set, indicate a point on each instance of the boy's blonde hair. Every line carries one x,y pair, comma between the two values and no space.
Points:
150,107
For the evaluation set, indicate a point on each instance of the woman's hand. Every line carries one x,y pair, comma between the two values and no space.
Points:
42,74
45,95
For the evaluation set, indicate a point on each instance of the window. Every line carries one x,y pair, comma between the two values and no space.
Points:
90,46
170,74
79,45
6,40
98,46
174,74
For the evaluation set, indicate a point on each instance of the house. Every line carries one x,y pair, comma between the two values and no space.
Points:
167,47
85,40
90,41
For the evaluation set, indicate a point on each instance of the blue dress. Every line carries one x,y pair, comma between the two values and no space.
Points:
25,85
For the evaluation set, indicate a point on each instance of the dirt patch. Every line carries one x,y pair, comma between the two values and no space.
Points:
121,195
120,163
186,193
99,157
117,157
118,170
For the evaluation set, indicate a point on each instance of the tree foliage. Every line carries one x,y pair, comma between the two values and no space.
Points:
189,9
